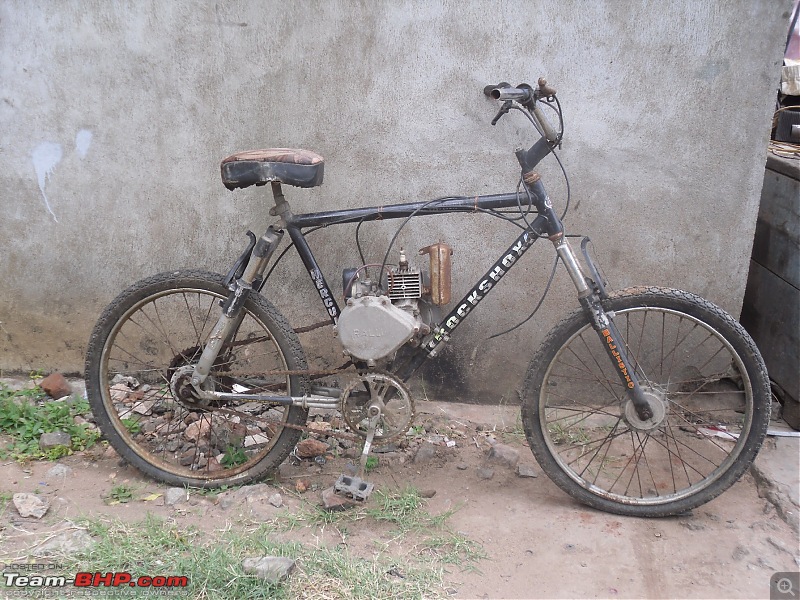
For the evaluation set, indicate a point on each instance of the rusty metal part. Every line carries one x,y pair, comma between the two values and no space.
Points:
531,177
308,328
400,407
278,422
440,272
544,89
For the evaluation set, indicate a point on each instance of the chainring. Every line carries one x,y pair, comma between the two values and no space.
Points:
389,394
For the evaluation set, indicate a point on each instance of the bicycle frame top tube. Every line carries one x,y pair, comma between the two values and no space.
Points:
461,204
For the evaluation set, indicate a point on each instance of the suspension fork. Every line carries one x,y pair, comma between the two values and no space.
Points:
603,324
232,314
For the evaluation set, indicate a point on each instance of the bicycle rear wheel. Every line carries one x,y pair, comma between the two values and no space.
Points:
702,373
144,347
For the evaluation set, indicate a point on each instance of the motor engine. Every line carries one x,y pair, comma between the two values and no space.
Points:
376,322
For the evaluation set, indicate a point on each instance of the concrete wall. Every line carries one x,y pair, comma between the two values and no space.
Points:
115,115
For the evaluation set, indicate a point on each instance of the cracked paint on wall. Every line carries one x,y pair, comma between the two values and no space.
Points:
45,157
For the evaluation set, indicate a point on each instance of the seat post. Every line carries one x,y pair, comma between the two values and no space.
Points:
281,208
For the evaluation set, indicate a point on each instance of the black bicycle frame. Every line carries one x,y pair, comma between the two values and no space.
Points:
545,223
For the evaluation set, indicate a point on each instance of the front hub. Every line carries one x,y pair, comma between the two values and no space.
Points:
656,400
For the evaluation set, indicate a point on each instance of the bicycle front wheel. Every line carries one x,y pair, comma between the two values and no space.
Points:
143,350
701,372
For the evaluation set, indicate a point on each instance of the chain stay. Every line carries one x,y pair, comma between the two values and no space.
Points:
354,437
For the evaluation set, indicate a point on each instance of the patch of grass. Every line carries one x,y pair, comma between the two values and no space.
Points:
371,464
120,494
132,425
212,564
25,417
569,434
411,523
234,456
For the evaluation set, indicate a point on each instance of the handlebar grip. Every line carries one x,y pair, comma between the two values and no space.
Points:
521,95
487,91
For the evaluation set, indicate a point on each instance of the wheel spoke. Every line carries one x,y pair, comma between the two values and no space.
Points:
688,371
150,350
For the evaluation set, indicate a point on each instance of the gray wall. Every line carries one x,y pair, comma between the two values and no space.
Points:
115,115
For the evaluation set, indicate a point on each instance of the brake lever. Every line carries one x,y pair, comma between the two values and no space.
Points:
503,110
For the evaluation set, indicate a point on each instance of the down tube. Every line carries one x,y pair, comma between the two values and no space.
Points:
481,289
325,293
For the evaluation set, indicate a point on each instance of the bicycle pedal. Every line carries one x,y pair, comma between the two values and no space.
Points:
354,487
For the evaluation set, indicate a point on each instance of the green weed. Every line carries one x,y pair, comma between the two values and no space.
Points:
25,417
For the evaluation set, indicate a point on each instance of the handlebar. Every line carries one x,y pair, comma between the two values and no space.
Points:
527,97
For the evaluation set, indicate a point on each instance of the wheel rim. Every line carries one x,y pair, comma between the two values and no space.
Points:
153,343
593,435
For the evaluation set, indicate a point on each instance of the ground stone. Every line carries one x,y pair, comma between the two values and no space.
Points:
58,470
309,448
51,440
333,502
504,455
485,473
526,471
272,569
31,505
68,542
425,453
174,495
276,500
55,386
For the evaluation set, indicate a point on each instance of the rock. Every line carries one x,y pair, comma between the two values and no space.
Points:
385,449
462,466
68,542
692,526
31,505
119,392
526,471
425,453
55,386
273,569
485,473
275,500
145,407
504,455
129,382
740,552
302,485
331,501
226,499
196,430
187,457
320,426
309,448
51,440
58,470
255,440
174,495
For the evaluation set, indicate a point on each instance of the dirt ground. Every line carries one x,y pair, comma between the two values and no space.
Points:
539,542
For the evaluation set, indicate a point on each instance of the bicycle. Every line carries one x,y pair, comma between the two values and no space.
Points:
645,402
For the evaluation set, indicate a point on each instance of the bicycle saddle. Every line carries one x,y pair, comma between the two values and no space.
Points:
301,168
